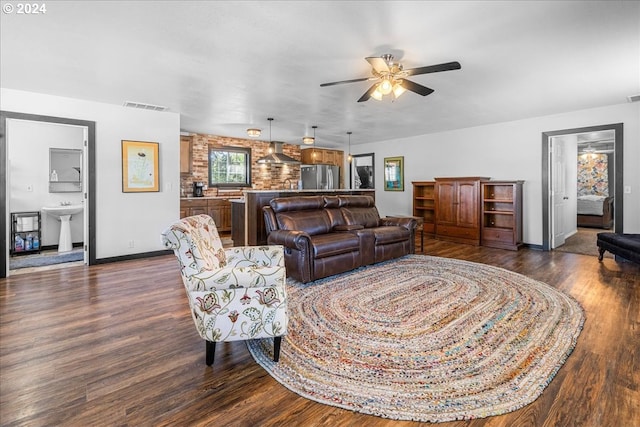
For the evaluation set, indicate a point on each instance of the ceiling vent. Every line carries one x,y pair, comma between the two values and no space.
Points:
633,98
143,106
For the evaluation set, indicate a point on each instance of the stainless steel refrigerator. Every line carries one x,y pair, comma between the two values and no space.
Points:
320,177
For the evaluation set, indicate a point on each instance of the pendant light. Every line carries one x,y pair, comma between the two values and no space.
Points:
314,138
349,156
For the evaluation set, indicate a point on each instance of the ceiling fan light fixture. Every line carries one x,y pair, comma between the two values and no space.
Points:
254,132
385,87
377,95
398,90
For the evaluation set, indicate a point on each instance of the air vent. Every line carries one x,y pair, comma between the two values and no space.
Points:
633,98
143,106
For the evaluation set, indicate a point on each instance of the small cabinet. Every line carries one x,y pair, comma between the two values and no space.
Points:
424,204
25,233
458,209
502,214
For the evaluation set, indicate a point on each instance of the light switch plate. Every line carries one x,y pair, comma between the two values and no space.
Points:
627,189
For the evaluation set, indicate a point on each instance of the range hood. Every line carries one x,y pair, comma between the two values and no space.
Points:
277,156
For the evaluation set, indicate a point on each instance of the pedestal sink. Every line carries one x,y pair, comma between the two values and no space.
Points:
63,214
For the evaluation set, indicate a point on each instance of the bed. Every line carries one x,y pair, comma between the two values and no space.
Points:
595,211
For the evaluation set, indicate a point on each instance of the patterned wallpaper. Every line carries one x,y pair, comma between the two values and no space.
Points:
593,175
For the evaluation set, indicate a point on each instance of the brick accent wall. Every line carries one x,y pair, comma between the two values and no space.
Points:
263,177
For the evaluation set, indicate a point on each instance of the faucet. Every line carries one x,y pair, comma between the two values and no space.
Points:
290,184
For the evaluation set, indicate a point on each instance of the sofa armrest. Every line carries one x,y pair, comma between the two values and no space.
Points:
406,222
292,239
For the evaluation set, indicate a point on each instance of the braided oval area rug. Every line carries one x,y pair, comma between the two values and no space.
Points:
424,338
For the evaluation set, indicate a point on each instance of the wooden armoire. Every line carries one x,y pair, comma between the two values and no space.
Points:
458,209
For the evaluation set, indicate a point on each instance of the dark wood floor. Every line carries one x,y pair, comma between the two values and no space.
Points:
114,344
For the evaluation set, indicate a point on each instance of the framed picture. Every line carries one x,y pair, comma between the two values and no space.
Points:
140,167
394,173
362,171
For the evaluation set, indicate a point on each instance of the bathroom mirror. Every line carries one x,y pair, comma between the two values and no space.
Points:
65,173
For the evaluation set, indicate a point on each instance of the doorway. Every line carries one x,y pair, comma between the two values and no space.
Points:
558,196
87,194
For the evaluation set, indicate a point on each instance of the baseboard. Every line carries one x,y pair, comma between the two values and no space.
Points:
534,247
134,256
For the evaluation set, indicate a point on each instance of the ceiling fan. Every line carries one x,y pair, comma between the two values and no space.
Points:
391,77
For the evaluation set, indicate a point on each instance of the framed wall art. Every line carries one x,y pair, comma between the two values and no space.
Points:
140,167
394,173
362,171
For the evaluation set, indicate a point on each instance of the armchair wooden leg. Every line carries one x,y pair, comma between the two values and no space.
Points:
276,348
210,351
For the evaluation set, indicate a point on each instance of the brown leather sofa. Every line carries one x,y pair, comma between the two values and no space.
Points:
327,235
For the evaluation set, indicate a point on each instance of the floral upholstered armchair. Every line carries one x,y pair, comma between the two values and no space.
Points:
234,293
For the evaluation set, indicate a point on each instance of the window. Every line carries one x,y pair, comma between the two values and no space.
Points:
229,167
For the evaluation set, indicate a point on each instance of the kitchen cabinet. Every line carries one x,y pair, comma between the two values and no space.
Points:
186,157
321,156
218,209
193,206
502,214
458,209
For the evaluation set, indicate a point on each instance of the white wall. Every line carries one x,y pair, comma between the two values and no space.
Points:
510,150
28,156
120,217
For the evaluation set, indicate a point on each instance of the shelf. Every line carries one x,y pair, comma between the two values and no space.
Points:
499,212
499,200
425,208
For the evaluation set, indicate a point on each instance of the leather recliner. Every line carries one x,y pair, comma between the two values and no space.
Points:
327,235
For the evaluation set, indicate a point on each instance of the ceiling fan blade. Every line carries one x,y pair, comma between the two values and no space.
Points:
415,87
368,93
378,64
346,81
448,66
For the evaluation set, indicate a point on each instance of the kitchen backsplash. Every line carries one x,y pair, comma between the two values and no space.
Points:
263,176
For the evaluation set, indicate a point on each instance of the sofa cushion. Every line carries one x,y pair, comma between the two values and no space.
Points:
324,245
367,217
287,204
312,222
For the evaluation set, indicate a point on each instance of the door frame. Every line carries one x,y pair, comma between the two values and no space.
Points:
618,181
89,196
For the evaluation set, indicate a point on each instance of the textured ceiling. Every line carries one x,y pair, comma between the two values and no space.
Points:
227,66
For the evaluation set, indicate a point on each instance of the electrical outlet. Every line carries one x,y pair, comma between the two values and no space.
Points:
131,243
627,189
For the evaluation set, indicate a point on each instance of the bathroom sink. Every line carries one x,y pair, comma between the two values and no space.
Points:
63,214
59,211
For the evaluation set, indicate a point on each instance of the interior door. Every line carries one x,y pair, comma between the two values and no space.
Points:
559,195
